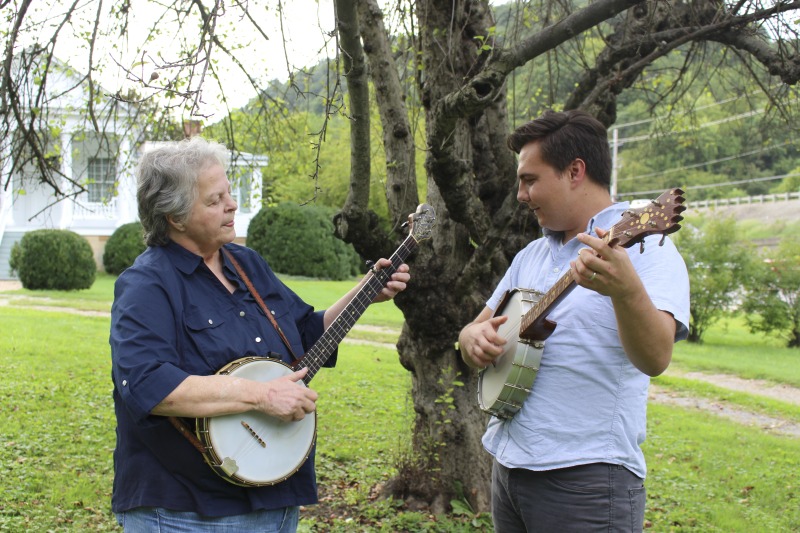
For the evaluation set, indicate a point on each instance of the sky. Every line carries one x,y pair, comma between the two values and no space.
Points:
304,24
307,25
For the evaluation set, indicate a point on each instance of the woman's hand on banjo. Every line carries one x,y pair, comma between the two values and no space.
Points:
479,341
284,399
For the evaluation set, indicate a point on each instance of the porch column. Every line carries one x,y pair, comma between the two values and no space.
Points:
6,193
67,207
255,190
126,184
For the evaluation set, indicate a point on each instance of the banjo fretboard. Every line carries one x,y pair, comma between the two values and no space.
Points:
316,357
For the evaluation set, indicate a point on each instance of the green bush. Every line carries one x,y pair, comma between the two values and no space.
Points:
123,247
54,259
299,240
13,261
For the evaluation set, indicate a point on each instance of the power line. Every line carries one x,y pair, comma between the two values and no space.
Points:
649,136
705,163
710,185
616,142
699,108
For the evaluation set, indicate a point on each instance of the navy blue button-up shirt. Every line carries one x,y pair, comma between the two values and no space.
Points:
172,318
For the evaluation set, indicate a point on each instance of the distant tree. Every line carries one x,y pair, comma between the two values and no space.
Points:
717,265
789,184
772,299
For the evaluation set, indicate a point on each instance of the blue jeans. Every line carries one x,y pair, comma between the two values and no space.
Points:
157,520
593,497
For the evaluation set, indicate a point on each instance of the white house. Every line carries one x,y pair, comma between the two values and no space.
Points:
102,162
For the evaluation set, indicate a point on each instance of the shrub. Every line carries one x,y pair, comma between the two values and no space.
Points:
123,247
299,240
54,259
772,294
13,261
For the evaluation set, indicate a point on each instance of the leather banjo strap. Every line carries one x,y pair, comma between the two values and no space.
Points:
186,432
261,303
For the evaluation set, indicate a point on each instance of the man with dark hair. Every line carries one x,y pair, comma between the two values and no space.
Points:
570,458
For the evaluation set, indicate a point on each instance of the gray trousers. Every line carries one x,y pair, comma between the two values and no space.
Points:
593,497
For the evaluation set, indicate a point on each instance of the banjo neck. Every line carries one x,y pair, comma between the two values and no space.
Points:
327,344
534,324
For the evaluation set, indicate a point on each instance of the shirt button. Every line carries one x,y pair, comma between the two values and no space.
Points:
556,269
124,382
258,339
241,313
271,311
210,321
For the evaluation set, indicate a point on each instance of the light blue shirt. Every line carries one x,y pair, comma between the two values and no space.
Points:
588,403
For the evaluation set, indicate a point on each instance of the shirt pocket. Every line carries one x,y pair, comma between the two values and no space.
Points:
208,336
285,320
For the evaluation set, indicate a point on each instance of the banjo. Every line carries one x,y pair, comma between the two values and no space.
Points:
253,449
503,387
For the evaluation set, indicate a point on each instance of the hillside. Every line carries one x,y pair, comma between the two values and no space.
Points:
761,223
767,212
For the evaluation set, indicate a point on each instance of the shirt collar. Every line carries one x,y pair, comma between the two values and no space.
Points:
184,260
605,219
608,217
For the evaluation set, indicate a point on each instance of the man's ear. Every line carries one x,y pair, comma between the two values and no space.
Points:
577,171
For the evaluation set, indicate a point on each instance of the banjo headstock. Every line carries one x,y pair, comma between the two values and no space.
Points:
659,217
422,222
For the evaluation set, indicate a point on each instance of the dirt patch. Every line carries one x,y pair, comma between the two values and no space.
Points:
758,387
782,392
725,410
10,285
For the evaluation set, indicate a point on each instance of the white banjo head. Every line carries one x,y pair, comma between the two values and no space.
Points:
503,387
252,448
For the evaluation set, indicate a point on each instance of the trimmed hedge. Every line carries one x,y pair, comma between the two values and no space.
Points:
123,247
299,240
48,259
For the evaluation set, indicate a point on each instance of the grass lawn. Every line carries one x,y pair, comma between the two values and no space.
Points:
57,430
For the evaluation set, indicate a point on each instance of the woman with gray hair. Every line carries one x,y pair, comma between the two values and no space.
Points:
182,312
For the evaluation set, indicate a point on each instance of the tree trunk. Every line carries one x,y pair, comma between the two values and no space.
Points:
450,275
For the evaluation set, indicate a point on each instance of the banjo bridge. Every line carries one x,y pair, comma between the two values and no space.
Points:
254,434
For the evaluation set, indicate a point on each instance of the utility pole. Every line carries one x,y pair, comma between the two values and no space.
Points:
614,145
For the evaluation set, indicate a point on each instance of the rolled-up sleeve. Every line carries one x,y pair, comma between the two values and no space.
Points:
143,344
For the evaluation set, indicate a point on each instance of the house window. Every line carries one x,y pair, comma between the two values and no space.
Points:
102,178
